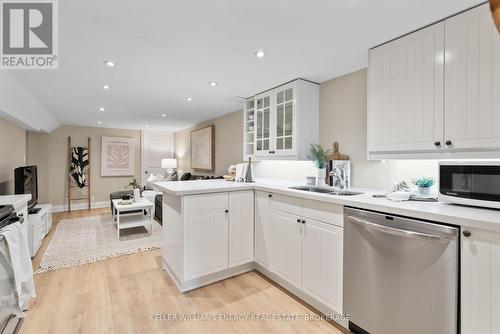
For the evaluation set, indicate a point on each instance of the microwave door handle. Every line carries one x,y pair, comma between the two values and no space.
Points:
395,231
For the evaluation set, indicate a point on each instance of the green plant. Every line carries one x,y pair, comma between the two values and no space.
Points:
423,182
318,156
134,184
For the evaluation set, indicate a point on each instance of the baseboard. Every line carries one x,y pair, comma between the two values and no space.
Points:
80,206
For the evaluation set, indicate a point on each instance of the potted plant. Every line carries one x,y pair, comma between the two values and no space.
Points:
424,185
318,156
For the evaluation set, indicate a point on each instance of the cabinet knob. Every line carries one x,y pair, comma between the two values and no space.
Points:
466,234
448,142
270,195
227,211
437,143
303,221
298,220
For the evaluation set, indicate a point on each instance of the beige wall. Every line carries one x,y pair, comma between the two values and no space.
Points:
50,153
12,154
343,117
228,143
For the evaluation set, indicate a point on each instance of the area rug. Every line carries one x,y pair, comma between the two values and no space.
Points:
86,240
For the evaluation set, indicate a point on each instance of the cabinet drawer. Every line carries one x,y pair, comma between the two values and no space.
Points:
288,204
195,203
324,212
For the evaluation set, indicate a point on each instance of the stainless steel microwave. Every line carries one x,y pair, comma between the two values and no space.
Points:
475,183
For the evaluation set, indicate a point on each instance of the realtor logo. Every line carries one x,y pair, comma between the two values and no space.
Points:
28,34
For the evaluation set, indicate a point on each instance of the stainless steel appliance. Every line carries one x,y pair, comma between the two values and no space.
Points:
474,183
400,274
8,323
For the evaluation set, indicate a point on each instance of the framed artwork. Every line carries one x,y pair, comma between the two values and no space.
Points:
203,149
117,156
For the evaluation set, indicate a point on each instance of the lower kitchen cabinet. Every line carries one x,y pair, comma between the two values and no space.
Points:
322,249
206,234
480,282
264,230
288,246
241,227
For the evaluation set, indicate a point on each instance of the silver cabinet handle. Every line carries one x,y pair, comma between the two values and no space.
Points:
394,231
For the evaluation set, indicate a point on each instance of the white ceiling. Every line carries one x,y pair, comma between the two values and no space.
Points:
168,50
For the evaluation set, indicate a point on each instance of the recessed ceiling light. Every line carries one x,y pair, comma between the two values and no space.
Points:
99,122
212,83
101,108
146,126
189,99
260,54
110,63
105,86
163,115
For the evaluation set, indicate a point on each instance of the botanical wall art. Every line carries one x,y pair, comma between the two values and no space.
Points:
203,149
117,156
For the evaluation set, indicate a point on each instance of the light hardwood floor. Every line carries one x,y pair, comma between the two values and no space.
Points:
122,295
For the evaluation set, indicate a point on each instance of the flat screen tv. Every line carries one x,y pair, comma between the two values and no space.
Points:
26,182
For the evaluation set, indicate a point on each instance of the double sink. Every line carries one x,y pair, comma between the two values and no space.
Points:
329,191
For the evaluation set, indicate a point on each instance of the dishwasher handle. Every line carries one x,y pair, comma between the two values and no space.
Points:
396,231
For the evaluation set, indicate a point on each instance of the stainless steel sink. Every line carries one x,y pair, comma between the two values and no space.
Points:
323,190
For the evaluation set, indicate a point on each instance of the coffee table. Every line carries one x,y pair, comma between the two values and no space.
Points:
123,218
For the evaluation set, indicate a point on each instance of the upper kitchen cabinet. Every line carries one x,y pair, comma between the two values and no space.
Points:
472,77
432,92
405,110
282,122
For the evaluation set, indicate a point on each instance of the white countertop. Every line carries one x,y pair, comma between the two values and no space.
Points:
15,200
488,219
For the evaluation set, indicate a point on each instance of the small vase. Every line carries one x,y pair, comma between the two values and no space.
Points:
424,192
137,194
320,179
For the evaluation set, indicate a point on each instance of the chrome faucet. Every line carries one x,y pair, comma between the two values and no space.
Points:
340,174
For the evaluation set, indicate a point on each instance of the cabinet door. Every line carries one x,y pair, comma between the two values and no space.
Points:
472,99
322,246
406,105
263,111
241,227
288,243
205,234
480,283
284,132
264,244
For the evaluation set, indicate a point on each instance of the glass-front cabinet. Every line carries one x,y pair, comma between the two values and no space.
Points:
282,122
263,124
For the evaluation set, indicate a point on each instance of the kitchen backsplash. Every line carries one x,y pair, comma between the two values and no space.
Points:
365,174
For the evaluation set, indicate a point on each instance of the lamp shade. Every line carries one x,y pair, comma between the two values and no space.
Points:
169,163
495,11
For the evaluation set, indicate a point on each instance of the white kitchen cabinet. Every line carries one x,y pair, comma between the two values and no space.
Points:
248,128
241,227
322,249
264,233
405,102
206,234
434,93
472,76
480,283
288,245
286,121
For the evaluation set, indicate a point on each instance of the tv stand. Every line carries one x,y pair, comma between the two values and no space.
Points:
39,226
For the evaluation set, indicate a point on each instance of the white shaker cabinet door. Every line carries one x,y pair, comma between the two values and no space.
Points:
480,283
205,234
241,227
405,108
472,76
288,243
264,245
322,262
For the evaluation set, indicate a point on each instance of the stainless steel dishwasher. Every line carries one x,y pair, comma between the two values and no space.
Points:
400,274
